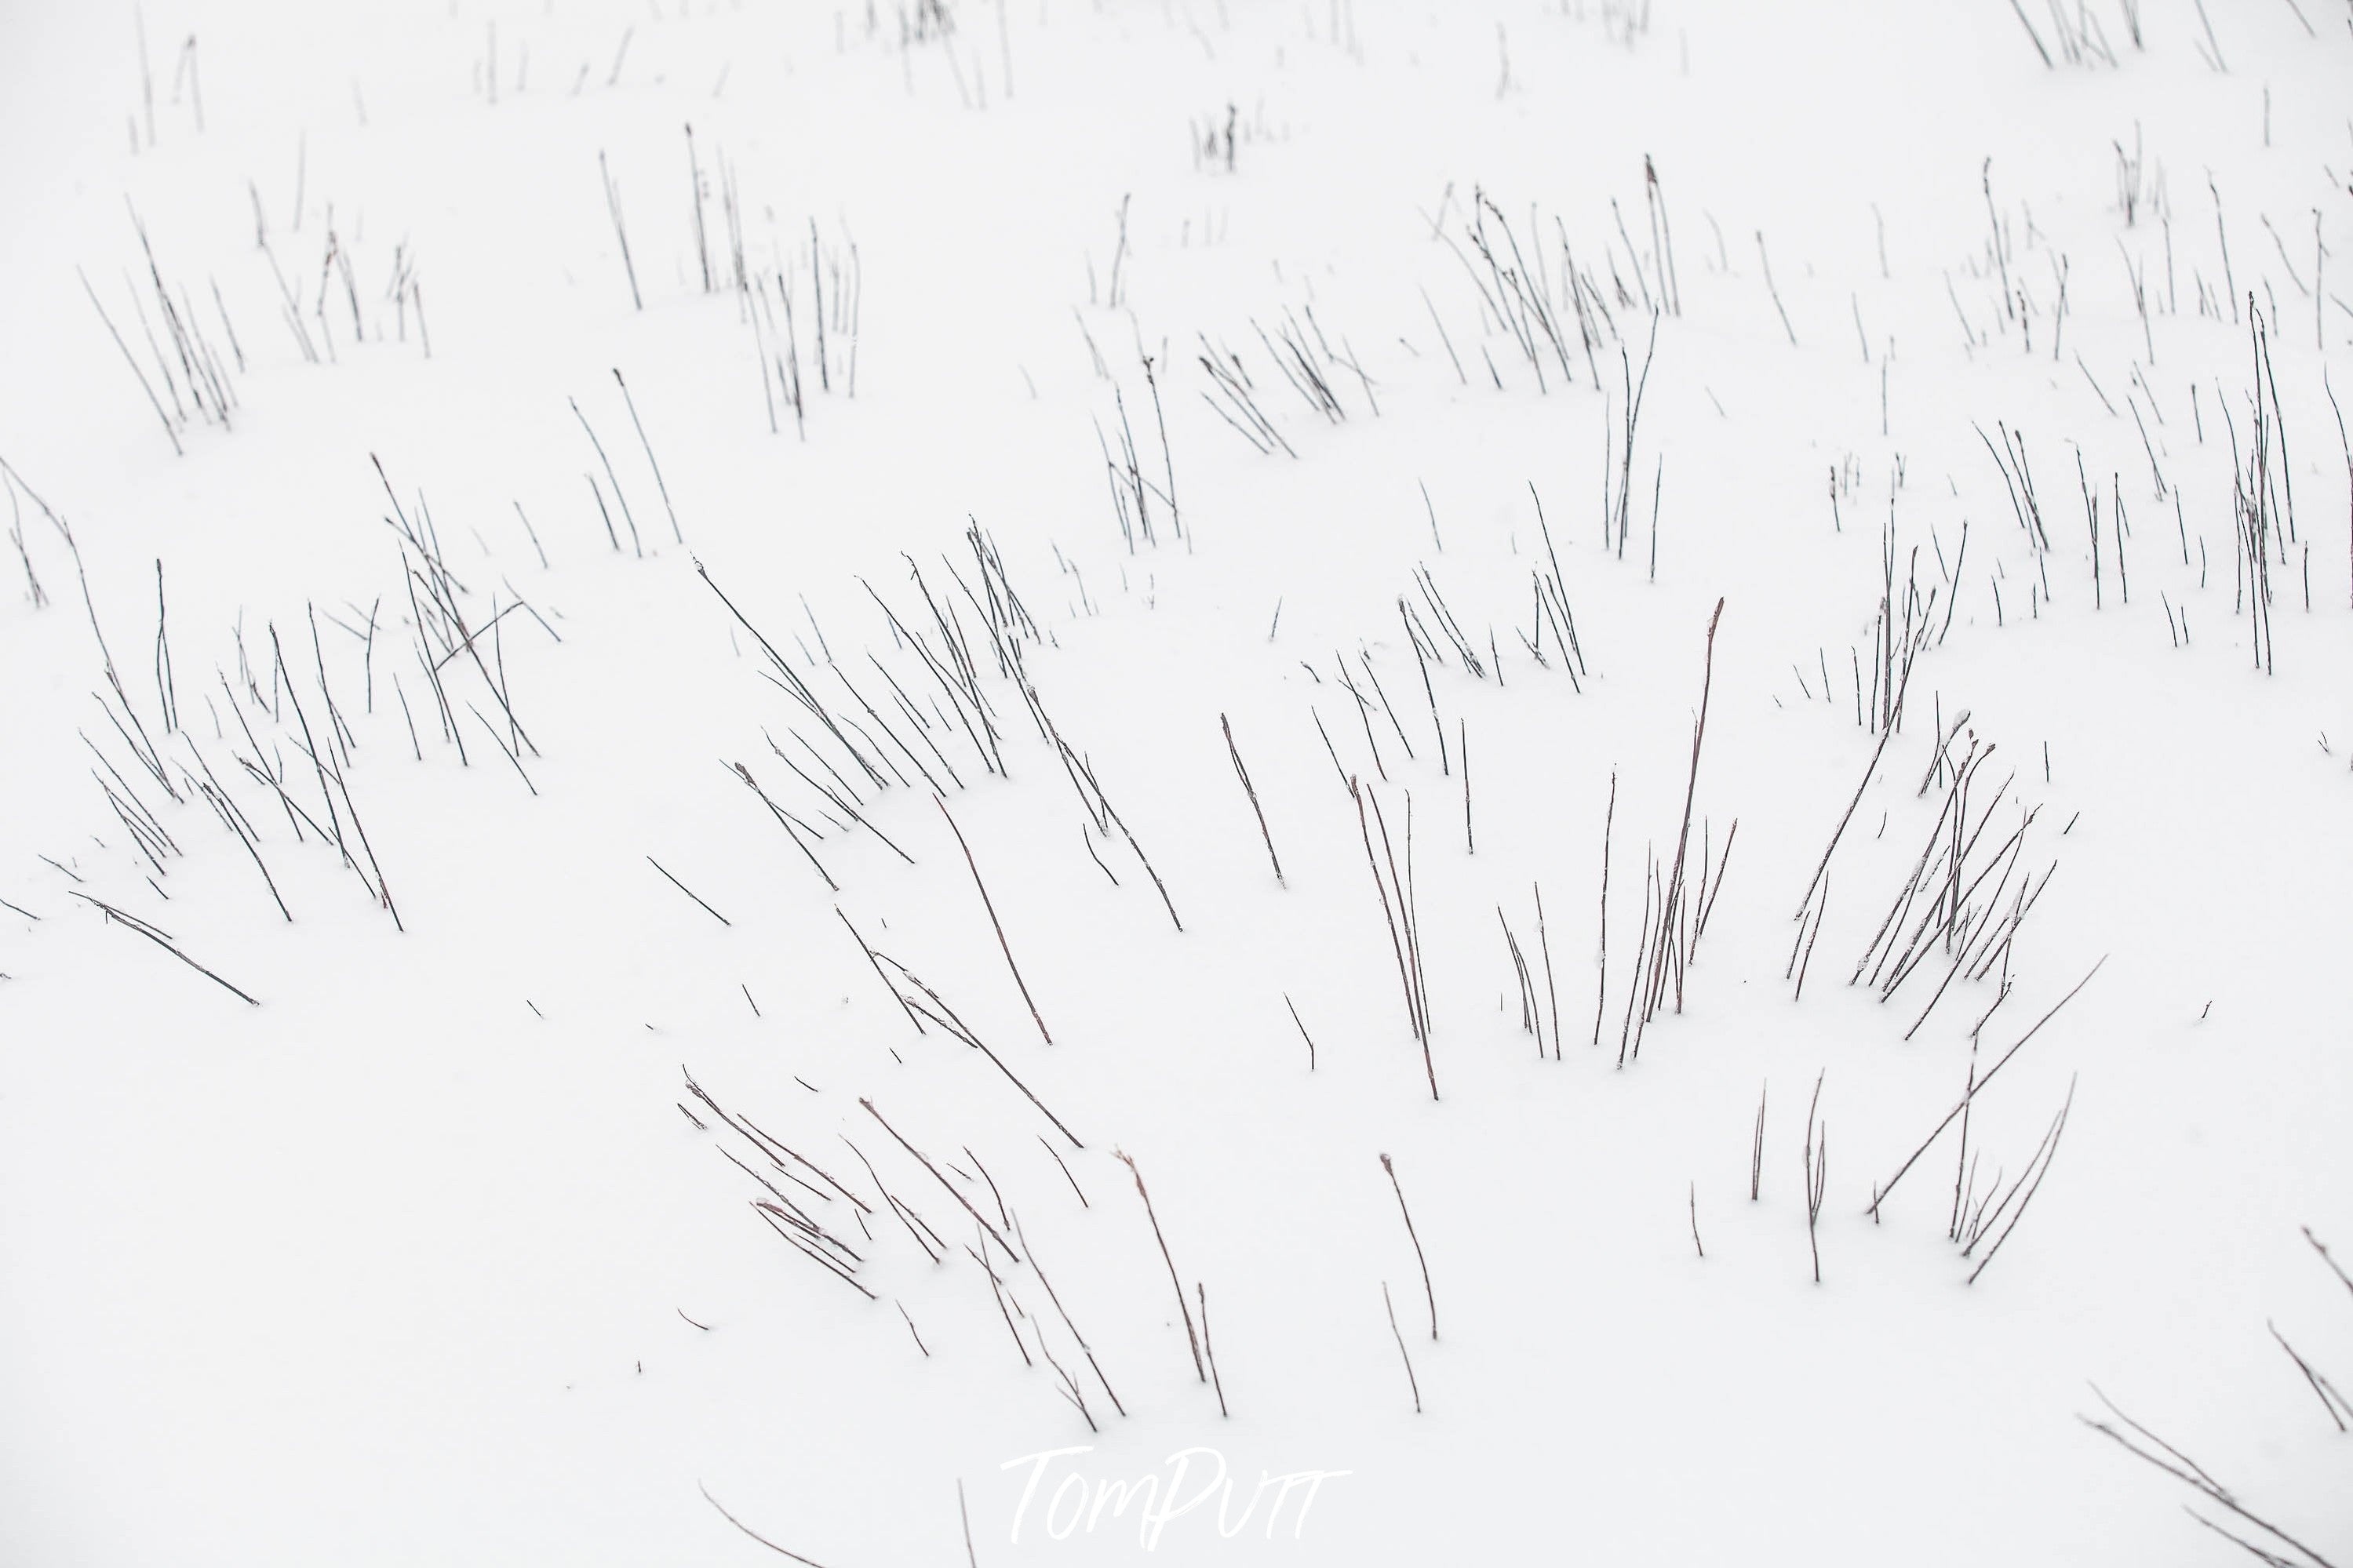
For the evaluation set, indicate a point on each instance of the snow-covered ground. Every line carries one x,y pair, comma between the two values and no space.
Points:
658,658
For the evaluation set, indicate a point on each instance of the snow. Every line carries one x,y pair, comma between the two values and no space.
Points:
430,1255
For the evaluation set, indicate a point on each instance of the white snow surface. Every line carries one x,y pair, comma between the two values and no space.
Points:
429,1254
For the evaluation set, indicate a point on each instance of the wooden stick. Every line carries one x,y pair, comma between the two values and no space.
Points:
781,1552
1391,1169
876,963
993,920
134,922
1303,1031
1967,1099
689,892
1209,1348
925,1163
1411,1382
1083,1348
1757,1145
1602,984
1190,1337
1248,788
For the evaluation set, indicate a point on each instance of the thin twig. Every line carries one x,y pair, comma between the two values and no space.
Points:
993,920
